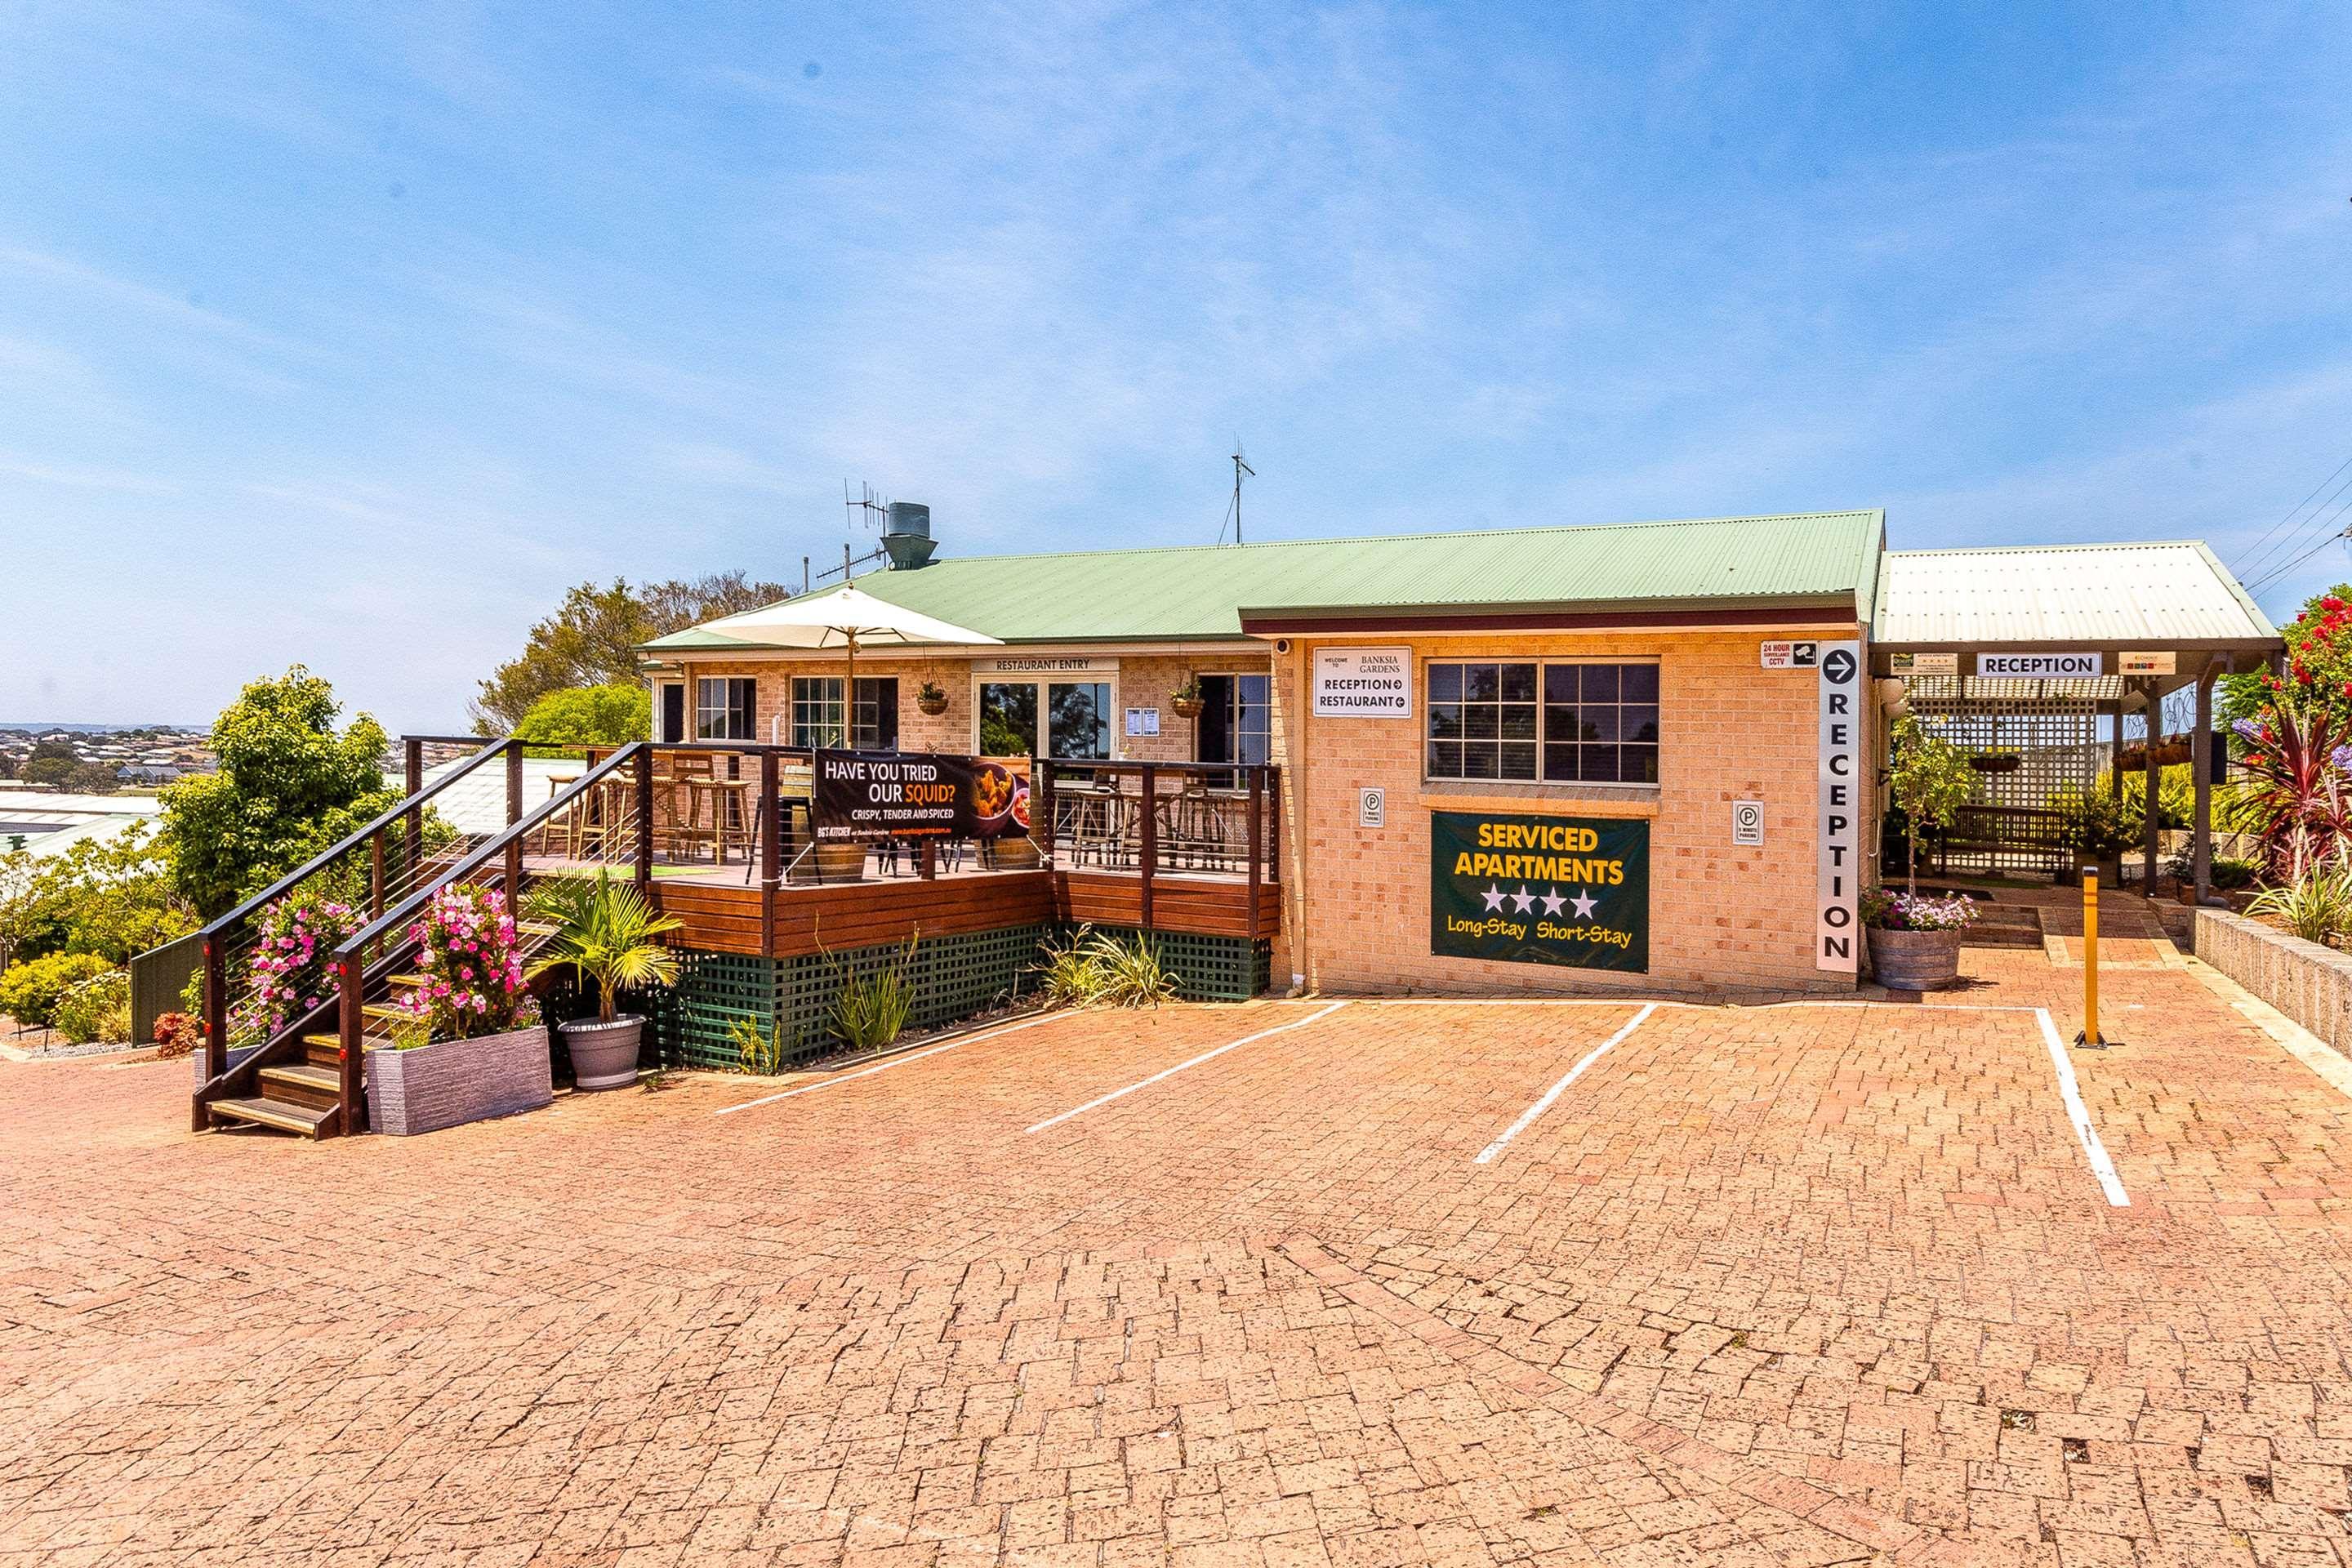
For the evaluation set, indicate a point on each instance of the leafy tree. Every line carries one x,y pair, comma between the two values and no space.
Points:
589,716
112,897
1931,780
54,751
8,766
92,778
51,772
289,787
593,639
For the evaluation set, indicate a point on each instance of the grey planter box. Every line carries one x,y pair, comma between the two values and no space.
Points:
236,1060
452,1082
2310,984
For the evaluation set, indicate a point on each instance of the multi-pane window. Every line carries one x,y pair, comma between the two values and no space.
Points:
723,709
1564,723
1481,721
1232,723
816,712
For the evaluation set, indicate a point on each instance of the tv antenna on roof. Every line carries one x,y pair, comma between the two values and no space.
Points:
1241,466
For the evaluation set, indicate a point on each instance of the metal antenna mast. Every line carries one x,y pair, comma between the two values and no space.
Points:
1240,467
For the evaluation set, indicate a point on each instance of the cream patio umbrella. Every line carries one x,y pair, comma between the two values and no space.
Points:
850,615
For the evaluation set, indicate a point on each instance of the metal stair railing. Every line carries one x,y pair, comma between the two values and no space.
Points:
362,980
395,859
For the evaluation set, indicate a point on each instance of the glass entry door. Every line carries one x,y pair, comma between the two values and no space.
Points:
1077,717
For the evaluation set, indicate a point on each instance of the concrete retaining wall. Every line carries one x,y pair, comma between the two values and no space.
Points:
2310,984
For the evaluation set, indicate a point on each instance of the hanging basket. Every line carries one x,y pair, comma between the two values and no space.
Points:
932,705
1187,706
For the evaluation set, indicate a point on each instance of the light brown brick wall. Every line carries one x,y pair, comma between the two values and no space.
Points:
1720,918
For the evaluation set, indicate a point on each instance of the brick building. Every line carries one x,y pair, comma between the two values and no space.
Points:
1630,756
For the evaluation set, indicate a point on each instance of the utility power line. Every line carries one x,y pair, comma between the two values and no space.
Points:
2257,557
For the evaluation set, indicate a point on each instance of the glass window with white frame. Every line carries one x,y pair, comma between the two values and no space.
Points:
1553,723
815,718
1233,725
725,708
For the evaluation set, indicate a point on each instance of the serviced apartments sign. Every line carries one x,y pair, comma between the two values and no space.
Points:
1540,890
1363,683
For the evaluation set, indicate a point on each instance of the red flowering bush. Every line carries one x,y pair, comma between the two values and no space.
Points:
2318,679
472,969
176,1034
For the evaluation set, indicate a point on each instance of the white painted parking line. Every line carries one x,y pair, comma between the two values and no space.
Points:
893,1062
2080,1115
1180,1066
1527,1117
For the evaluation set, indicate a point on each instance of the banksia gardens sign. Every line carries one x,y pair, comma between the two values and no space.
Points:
1540,890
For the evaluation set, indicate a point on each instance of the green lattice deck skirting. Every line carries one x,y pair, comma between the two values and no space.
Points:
952,977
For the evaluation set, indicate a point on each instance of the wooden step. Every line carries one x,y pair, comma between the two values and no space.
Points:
388,1012
406,982
535,928
309,1085
329,1049
275,1114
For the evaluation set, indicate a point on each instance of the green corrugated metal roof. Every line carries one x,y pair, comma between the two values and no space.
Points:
2149,595
1115,595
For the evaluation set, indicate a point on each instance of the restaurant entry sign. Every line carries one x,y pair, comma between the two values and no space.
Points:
1569,890
915,795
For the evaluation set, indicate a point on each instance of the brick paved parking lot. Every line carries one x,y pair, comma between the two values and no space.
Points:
1798,1285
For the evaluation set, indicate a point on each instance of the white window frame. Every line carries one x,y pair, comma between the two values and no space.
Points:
1076,677
752,722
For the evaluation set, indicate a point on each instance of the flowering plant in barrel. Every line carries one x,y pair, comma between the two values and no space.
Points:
469,970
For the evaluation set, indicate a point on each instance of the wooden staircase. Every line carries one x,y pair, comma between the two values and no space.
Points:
298,1097
306,1077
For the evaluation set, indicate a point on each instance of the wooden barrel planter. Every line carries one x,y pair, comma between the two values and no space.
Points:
1915,960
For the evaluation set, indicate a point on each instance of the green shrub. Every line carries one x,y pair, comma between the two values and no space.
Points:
97,1009
1095,968
30,992
760,1051
2316,908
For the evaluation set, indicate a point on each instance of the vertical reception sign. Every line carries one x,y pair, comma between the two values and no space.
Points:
1837,937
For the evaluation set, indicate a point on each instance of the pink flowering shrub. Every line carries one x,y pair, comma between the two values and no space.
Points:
294,939
472,971
1917,912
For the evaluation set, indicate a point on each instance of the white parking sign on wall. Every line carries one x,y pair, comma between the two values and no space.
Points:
1837,937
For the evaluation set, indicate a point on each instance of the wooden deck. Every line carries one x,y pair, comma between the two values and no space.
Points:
721,916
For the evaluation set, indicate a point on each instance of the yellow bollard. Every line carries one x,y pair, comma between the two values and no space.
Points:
2089,1039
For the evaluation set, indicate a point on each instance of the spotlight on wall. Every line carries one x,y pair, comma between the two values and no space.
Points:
1891,700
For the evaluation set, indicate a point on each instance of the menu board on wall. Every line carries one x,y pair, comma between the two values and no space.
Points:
1569,890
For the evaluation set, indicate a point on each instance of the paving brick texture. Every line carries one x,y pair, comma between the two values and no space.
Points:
1787,1285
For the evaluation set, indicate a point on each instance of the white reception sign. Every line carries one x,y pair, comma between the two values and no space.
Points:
2041,666
1363,683
1836,932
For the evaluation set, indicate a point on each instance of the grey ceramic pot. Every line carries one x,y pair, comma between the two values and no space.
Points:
603,1056
1915,960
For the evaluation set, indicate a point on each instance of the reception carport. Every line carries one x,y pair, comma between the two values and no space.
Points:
2022,652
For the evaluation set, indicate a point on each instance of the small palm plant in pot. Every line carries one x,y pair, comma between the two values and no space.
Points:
609,931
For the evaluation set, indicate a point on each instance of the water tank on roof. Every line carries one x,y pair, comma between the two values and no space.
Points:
906,535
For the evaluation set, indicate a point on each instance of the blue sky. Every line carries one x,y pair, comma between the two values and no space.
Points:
352,334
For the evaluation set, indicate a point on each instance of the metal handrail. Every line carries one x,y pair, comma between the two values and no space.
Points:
408,803
517,831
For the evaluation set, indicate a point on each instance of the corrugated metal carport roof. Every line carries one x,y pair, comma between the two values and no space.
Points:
2155,595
